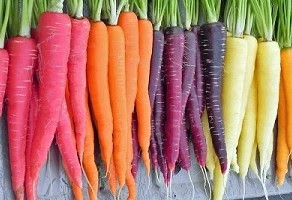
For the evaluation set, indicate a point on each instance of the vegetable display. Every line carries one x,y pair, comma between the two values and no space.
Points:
151,81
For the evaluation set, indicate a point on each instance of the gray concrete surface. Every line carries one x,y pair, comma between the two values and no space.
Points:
54,184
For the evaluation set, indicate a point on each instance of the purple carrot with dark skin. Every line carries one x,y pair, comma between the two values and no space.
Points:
156,61
212,46
135,160
184,158
199,75
159,114
174,46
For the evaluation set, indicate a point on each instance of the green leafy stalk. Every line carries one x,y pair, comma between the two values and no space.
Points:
142,6
13,19
189,9
56,5
172,14
262,10
95,7
39,7
235,16
112,10
195,13
284,29
158,11
75,8
26,16
4,14
211,10
249,20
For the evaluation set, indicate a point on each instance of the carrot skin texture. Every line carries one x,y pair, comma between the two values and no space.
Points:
112,178
199,75
143,107
212,47
29,190
196,128
173,55
77,78
98,69
4,60
66,142
54,31
117,86
135,144
22,56
156,63
153,146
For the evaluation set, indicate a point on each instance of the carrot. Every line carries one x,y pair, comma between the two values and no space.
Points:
143,107
117,88
98,69
77,70
136,150
284,111
54,32
22,56
4,58
66,142
268,79
212,46
128,21
88,156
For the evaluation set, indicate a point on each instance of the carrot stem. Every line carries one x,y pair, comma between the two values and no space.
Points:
75,8
13,20
284,31
4,14
158,10
55,6
211,10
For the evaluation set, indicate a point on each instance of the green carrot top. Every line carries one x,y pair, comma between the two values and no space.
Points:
172,14
191,13
235,16
158,10
112,10
142,6
56,5
211,10
249,20
195,13
75,8
264,19
4,14
284,29
95,7
39,7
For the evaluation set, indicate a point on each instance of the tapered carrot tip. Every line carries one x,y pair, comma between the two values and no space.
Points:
280,181
146,161
19,194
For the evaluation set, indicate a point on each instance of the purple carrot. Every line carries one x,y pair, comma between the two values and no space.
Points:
159,113
189,63
196,129
199,75
173,58
212,43
153,146
156,61
135,160
184,158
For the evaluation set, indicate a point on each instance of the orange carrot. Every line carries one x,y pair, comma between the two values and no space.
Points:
142,100
117,86
88,156
129,23
282,153
286,62
97,70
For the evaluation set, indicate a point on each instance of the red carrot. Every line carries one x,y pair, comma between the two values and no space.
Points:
54,32
4,58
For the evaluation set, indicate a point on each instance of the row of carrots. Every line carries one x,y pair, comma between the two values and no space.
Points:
148,87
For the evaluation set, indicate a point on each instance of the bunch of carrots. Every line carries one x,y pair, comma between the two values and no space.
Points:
149,86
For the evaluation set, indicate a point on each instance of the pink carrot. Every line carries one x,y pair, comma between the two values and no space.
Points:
54,31
4,58
77,78
22,55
